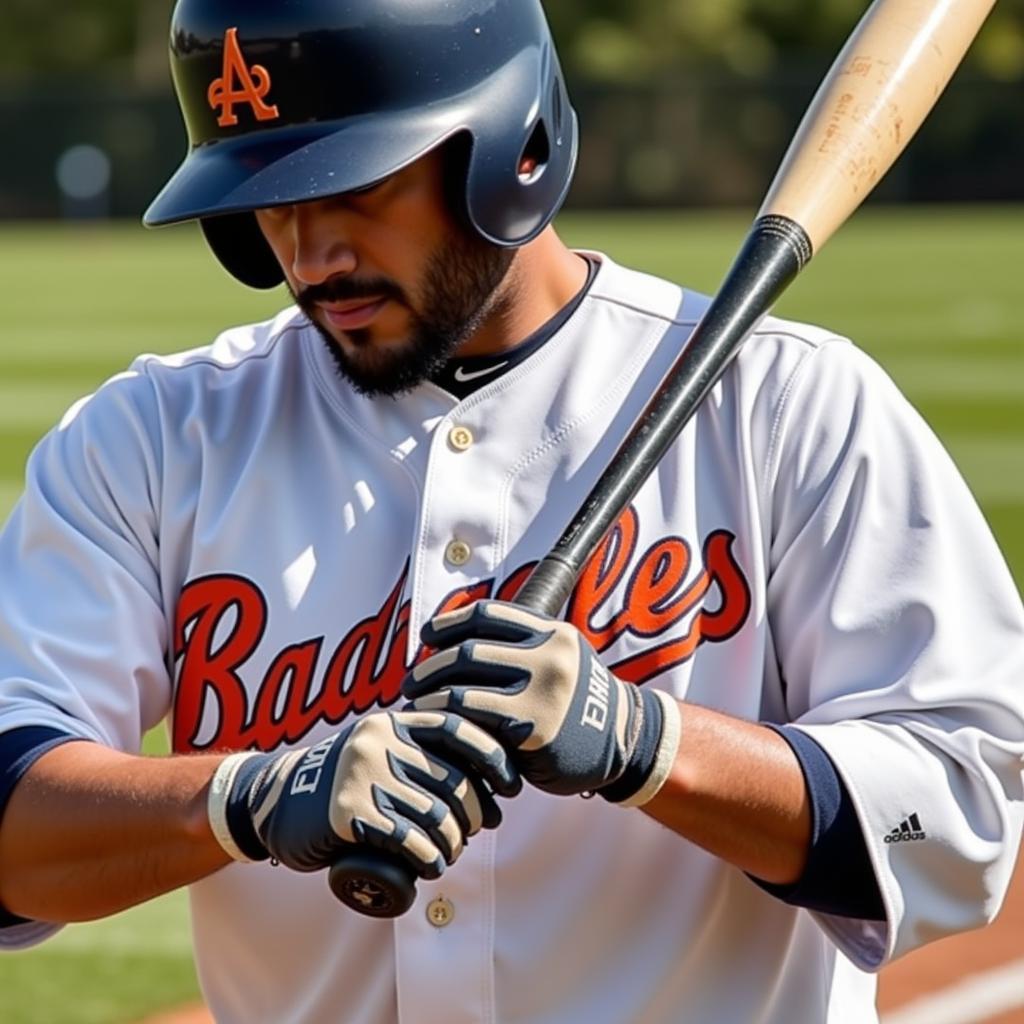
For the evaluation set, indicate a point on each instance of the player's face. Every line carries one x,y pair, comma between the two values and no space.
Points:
393,282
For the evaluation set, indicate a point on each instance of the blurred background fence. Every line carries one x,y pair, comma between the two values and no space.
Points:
98,148
683,103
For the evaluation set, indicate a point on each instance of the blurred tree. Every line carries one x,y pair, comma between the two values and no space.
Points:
87,35
608,40
631,40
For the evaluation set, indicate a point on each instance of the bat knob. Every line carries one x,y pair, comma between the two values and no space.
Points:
373,884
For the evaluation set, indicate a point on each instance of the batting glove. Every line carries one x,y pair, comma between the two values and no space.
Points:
538,687
408,783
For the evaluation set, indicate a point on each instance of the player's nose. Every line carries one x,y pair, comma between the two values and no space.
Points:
321,248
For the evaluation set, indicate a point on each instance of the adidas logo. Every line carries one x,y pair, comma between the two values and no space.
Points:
909,831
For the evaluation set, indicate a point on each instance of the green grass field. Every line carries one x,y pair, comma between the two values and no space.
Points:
933,294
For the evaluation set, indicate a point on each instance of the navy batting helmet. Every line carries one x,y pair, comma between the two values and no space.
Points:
286,102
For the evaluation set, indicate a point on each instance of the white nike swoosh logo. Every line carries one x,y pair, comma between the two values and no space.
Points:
465,378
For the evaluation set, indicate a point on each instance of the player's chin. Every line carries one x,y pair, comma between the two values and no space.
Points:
374,350
380,368
392,356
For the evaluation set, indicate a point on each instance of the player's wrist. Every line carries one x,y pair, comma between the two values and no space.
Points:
228,808
654,751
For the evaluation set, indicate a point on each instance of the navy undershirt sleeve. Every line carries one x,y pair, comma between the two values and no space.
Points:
838,878
19,750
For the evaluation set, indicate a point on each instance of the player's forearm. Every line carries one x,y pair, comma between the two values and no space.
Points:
737,790
90,831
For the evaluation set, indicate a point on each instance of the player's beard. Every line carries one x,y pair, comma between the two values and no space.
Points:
459,293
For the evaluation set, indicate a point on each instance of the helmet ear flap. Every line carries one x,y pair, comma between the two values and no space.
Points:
457,152
524,151
238,242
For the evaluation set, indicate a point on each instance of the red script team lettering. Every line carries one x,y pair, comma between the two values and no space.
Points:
222,619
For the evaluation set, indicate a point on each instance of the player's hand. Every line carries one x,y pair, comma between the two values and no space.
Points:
412,784
538,687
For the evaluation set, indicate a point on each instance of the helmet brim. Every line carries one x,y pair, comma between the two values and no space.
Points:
297,163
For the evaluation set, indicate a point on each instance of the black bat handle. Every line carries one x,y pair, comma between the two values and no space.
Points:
775,251
373,883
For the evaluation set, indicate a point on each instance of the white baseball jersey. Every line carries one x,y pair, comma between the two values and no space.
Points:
234,537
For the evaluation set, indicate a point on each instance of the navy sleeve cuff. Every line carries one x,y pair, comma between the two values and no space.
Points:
838,878
19,750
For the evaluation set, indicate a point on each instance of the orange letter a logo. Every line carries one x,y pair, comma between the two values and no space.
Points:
253,83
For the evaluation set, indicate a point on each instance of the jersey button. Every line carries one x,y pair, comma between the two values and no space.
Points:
440,912
458,553
461,439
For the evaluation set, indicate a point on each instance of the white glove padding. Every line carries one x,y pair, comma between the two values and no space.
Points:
408,783
538,687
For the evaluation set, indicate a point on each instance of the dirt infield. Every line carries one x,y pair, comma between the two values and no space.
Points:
186,1015
977,955
939,971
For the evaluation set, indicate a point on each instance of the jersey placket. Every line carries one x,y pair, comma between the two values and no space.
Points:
445,943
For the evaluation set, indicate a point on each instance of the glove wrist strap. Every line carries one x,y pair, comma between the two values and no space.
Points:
654,752
665,753
227,808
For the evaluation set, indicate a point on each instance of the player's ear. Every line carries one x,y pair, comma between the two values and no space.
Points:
536,154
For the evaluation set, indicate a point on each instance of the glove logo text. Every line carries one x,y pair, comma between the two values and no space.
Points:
595,711
307,775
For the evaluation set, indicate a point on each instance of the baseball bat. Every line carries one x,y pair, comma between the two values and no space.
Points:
883,84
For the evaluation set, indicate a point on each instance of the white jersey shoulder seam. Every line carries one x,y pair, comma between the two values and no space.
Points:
807,334
778,427
202,356
643,311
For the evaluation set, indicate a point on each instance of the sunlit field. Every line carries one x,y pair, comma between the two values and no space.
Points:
935,295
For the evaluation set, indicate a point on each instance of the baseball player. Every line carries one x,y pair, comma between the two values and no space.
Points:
775,738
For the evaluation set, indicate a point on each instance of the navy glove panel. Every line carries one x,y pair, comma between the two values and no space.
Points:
538,687
416,785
